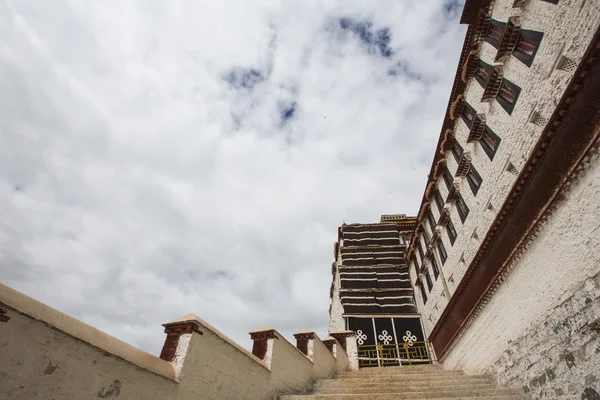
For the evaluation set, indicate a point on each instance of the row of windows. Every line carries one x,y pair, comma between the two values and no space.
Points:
509,39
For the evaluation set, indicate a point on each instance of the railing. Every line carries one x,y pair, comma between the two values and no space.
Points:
382,355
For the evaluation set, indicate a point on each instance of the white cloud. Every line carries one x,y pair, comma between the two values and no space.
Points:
137,184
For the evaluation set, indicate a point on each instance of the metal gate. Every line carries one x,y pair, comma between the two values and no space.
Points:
390,341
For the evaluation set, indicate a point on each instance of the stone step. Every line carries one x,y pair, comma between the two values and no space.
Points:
331,387
392,396
434,379
414,381
427,393
400,371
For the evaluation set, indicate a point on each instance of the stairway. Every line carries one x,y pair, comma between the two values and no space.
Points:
409,382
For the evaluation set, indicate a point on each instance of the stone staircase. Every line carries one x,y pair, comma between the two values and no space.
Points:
410,382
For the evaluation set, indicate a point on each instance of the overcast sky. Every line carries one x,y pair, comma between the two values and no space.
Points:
159,158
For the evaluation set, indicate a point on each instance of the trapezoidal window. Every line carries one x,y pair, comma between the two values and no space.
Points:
442,251
426,236
527,46
468,114
438,200
447,176
483,73
429,281
508,95
420,251
423,293
490,142
417,267
474,180
434,267
494,33
457,152
431,220
451,231
462,208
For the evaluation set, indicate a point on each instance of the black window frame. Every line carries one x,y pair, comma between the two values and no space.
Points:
437,196
462,208
451,230
483,81
447,176
442,251
435,267
491,152
420,250
426,236
475,180
423,292
501,27
456,151
431,220
467,111
551,1
508,105
428,279
417,266
525,58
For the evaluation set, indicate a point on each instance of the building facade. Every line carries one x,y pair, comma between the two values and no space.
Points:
505,256
371,293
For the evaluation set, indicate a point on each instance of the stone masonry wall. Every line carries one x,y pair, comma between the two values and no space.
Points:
559,357
540,329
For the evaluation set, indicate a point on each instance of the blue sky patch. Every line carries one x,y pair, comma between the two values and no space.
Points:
376,40
244,78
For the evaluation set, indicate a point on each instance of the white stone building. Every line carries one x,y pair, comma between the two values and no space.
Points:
506,254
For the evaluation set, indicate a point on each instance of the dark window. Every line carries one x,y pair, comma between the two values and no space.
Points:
438,200
423,293
508,95
417,267
428,279
448,178
420,251
495,31
431,220
457,151
451,231
425,236
468,114
442,251
461,206
483,73
474,180
435,268
551,1
527,45
490,142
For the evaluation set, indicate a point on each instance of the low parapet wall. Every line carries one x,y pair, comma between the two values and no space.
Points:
47,354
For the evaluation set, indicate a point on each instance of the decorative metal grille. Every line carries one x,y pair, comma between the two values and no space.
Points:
382,355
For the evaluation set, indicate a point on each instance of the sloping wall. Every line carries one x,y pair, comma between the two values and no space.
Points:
49,355
540,330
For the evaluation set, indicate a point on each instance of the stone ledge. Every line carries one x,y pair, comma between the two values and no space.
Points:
78,330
